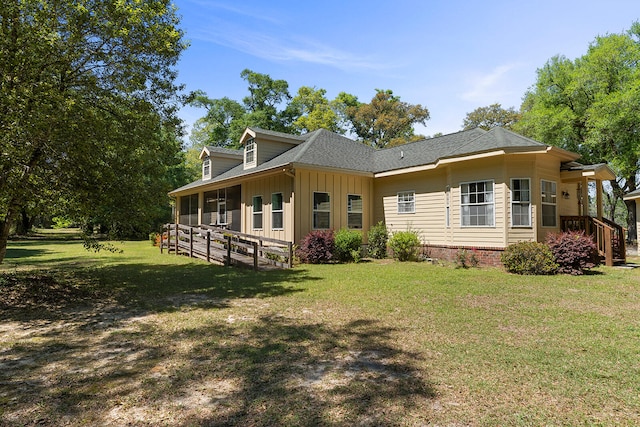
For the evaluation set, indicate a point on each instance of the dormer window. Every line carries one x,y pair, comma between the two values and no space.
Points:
250,152
206,168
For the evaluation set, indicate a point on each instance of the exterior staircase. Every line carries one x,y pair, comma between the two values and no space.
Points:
607,235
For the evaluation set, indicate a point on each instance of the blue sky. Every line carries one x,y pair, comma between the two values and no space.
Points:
449,56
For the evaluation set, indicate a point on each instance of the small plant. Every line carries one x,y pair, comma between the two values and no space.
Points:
347,242
466,259
405,245
532,258
573,251
378,236
317,247
154,238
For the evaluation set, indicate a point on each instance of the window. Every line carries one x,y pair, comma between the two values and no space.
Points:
257,212
222,207
277,212
447,207
354,211
406,202
206,168
476,204
520,202
548,190
321,211
250,151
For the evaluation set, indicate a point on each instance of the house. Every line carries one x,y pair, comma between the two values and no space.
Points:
471,189
635,195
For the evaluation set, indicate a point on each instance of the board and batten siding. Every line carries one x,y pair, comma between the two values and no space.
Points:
338,185
265,187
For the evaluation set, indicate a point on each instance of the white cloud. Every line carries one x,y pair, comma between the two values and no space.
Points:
495,86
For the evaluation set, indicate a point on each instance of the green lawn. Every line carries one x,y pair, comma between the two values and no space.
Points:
140,338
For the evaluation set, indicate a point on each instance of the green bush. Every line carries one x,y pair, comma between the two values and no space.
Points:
529,258
573,251
378,236
346,242
405,245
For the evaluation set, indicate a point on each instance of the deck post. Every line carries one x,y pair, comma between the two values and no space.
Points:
228,250
290,249
208,246
255,255
177,238
161,239
608,247
190,242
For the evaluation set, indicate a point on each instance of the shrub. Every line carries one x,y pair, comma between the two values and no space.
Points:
573,251
405,245
529,258
466,259
346,243
317,247
378,237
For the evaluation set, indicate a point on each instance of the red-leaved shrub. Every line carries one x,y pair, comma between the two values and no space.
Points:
574,251
317,247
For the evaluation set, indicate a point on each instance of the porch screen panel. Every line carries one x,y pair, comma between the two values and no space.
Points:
189,210
210,207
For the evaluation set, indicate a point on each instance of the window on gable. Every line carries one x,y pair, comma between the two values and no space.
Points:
277,212
257,212
321,210
250,151
354,211
406,202
477,204
549,198
206,168
521,202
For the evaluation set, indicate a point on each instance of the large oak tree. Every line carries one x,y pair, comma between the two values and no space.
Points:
87,108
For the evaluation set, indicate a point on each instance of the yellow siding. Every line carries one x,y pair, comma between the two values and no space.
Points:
520,167
265,187
548,169
338,186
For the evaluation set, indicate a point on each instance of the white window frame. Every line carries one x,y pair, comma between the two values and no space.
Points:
352,211
520,202
277,211
314,211
554,202
250,151
206,168
491,204
254,212
408,199
222,203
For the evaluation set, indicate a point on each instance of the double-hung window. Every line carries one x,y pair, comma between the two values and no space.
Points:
250,152
257,212
549,199
354,211
521,202
477,204
321,211
406,202
277,212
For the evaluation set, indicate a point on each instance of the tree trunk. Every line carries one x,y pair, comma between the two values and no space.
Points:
23,227
5,228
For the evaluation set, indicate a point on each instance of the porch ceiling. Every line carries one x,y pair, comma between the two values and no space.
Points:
577,172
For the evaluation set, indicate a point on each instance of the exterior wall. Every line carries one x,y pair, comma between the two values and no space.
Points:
265,187
548,169
521,167
221,164
267,150
338,185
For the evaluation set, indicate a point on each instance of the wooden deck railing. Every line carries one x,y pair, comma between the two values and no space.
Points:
607,235
214,244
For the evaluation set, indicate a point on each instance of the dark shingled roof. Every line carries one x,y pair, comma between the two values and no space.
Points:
227,151
326,149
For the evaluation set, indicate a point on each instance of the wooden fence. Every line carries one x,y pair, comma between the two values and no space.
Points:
214,244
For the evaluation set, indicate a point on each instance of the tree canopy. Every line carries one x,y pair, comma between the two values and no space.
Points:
87,108
491,116
591,105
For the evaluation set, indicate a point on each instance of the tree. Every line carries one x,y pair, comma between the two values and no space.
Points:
491,116
385,120
216,127
87,108
592,106
314,111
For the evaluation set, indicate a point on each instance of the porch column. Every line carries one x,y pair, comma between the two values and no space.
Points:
176,218
599,197
200,206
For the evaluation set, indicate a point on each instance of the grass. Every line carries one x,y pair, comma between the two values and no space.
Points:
141,338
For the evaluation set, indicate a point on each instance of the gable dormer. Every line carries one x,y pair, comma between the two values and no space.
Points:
217,160
259,145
